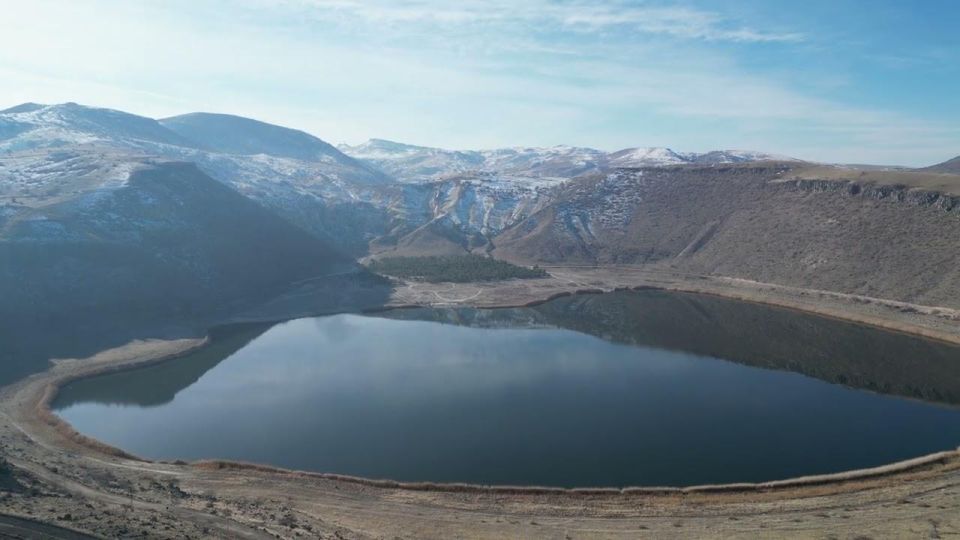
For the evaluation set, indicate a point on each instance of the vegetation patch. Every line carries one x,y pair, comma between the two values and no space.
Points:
454,268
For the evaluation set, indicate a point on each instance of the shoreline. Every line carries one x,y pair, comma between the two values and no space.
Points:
46,413
27,406
925,462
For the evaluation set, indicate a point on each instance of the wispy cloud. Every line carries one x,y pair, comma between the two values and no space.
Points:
677,22
680,22
471,74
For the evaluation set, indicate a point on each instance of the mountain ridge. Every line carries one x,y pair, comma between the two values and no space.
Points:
732,213
413,163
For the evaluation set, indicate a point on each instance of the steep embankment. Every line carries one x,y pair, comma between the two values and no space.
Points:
774,223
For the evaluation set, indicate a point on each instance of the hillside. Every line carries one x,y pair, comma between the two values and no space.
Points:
411,163
951,166
229,134
393,198
759,222
166,239
877,231
306,181
31,126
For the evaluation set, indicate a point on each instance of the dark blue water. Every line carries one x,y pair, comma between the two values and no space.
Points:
510,398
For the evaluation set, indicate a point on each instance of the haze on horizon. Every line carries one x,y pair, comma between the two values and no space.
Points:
826,81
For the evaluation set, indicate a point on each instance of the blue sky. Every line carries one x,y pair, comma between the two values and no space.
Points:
843,80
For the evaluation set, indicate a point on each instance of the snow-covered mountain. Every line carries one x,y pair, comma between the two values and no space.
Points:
657,157
735,156
408,163
300,177
228,134
381,193
32,126
645,157
553,161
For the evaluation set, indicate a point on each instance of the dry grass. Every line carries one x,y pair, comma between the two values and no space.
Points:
947,459
46,414
108,362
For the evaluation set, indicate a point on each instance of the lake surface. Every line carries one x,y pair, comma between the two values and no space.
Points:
646,388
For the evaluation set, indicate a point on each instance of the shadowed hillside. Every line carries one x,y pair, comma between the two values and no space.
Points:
170,239
161,254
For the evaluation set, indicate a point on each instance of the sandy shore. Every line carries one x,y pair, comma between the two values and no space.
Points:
78,483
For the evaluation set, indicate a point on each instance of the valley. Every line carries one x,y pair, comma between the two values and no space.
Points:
79,483
126,241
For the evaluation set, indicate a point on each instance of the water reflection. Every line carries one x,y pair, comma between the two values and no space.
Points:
834,351
534,396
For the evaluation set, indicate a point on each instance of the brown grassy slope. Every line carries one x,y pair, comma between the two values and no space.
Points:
951,166
757,222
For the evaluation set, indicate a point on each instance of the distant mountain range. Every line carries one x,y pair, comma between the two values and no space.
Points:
392,194
409,163
100,204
